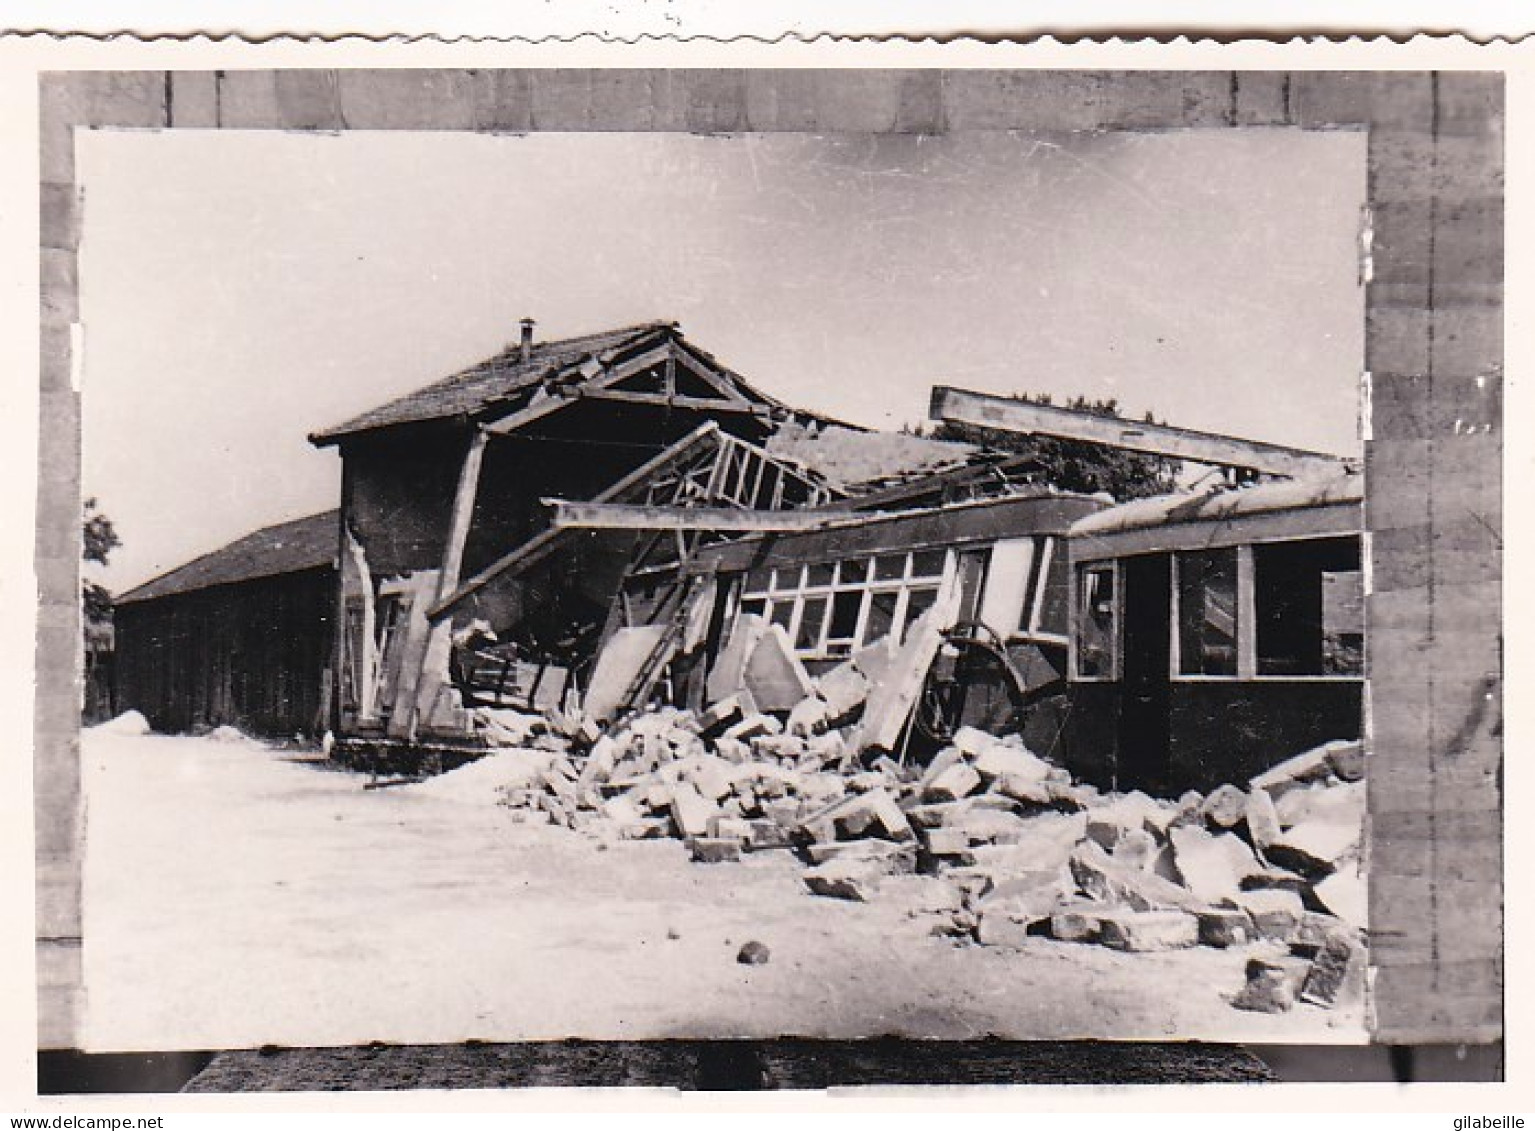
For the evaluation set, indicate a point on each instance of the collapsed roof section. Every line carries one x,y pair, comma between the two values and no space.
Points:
708,469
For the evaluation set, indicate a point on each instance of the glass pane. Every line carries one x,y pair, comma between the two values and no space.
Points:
1207,612
754,605
1309,603
786,579
855,572
1056,595
757,580
927,563
918,601
821,574
1343,623
881,615
890,567
844,615
781,612
808,639
1096,631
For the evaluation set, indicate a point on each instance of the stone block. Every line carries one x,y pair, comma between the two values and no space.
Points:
958,781
1101,877
1261,818
1273,984
1078,922
1337,974
1312,765
855,880
690,811
1224,926
1225,807
1149,930
1275,914
714,850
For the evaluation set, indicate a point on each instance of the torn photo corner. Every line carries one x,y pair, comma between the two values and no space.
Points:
634,553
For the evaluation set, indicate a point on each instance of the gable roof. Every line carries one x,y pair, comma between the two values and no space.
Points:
288,547
506,382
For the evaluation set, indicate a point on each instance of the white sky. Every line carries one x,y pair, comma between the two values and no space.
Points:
240,290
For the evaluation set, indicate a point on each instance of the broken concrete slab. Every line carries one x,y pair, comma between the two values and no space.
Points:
774,674
727,676
945,841
1225,807
1337,974
1078,922
1341,803
844,689
690,811
1205,863
1224,926
998,926
808,717
1103,878
1345,893
958,781
1137,849
714,850
1142,931
618,668
1275,914
1347,760
1261,818
1272,984
1312,765
1315,848
856,880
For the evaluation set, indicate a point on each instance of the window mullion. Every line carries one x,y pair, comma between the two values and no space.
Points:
1247,623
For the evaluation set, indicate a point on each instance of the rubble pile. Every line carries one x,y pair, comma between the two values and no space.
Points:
1004,846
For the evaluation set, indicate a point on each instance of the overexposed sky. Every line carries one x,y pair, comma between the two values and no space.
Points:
240,290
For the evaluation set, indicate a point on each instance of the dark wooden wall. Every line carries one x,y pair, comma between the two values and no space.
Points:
251,655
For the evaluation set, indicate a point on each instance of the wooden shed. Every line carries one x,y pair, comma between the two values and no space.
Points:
241,636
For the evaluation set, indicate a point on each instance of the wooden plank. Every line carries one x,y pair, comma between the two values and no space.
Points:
626,516
959,406
661,400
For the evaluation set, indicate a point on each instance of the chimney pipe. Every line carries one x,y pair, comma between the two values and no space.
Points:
527,339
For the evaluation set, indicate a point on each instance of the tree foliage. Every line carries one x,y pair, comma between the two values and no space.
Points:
100,539
1076,465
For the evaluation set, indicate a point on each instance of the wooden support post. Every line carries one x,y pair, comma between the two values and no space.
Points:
463,514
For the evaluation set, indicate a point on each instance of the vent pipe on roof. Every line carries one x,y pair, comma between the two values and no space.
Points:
527,339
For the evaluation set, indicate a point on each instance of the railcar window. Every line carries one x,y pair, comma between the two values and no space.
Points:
1207,612
1308,600
1097,626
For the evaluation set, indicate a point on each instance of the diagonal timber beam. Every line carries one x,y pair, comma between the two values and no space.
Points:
960,406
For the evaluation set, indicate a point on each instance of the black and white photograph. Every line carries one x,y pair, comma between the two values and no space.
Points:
948,578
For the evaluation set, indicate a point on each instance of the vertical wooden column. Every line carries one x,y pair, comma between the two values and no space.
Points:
434,676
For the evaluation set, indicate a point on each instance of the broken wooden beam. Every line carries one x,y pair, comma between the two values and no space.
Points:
960,406
629,516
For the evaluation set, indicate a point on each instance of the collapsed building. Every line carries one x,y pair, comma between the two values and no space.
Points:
591,526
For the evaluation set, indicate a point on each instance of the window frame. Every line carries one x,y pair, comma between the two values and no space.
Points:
1075,595
862,569
1247,625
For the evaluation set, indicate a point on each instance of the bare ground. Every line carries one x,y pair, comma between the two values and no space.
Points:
237,896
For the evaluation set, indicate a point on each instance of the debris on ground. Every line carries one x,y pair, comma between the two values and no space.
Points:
999,846
129,723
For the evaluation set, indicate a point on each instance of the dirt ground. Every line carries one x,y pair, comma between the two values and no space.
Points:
238,896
